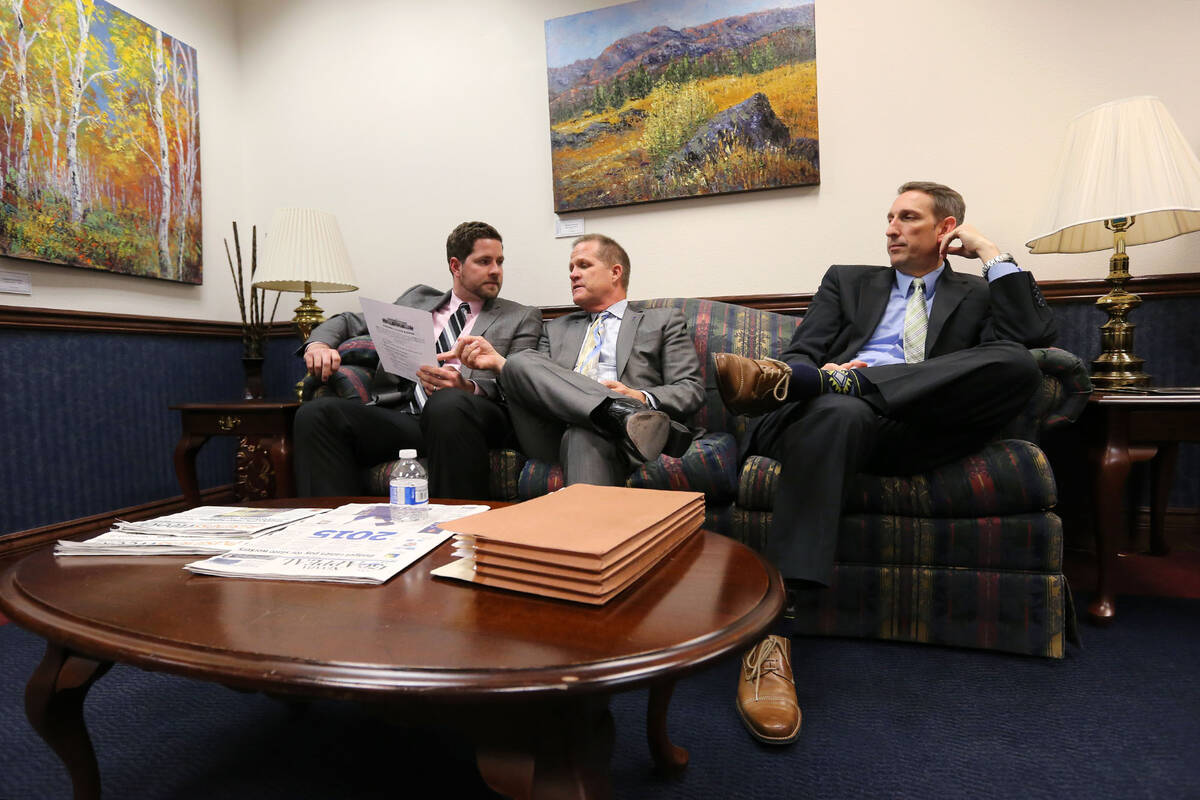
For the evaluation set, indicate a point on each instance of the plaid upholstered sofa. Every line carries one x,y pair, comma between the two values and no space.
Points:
969,554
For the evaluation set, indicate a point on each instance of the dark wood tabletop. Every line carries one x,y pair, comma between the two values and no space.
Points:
414,637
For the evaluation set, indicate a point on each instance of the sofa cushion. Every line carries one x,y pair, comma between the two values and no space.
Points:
717,327
710,465
1009,476
1018,612
1031,542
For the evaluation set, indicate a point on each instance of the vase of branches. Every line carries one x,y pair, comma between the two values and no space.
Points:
253,306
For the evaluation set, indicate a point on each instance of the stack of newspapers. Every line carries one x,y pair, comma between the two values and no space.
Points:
354,543
584,543
197,531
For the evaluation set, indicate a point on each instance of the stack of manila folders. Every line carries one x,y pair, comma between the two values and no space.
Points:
584,543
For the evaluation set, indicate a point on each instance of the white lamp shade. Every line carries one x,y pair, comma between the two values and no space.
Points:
1124,158
305,245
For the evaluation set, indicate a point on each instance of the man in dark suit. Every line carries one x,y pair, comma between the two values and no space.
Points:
893,370
453,417
610,385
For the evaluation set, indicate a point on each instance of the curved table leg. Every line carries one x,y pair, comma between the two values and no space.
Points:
185,465
1111,463
1162,476
668,758
54,705
556,752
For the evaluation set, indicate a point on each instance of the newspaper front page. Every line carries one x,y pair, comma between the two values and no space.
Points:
354,543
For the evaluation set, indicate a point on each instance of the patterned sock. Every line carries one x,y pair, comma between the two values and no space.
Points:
808,382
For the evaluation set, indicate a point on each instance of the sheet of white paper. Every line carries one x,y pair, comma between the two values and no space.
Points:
403,336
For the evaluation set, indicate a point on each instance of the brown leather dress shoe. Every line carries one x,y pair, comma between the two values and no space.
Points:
751,386
766,696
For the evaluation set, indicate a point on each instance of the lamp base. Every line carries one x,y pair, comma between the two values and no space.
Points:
308,316
1117,365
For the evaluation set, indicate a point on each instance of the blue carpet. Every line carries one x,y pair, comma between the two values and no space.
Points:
1119,718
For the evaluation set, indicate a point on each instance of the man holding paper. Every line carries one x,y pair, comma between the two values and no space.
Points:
452,414
609,386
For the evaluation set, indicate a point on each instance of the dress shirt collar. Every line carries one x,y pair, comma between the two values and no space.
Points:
903,281
617,309
456,301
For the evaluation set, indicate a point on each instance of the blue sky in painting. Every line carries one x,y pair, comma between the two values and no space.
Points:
586,35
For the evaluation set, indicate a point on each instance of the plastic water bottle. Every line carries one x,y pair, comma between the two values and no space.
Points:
410,489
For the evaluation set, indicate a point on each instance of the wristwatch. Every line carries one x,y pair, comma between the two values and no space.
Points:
996,259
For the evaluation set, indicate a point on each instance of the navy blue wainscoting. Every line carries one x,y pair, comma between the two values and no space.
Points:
84,421
1168,329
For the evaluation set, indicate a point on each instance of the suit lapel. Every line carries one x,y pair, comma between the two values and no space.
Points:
625,337
951,289
574,327
487,315
876,291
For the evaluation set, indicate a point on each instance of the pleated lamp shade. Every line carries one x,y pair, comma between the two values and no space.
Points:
305,245
1124,158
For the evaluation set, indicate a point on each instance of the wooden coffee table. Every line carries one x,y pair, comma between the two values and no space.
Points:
528,679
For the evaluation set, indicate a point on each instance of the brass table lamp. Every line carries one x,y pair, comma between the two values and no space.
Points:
304,252
1125,176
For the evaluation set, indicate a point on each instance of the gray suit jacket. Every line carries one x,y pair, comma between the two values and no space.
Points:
509,326
654,354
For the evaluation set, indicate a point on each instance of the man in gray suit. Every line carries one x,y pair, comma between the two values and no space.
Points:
452,418
610,385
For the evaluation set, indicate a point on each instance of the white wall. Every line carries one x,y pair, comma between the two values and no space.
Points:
404,118
209,27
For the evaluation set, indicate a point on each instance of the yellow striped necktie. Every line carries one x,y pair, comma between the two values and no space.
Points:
588,362
916,323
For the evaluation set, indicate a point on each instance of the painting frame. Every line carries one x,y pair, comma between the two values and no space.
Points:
99,141
658,100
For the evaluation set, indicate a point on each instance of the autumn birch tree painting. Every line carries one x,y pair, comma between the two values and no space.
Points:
99,141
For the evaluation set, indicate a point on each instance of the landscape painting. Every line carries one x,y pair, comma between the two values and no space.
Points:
99,141
662,99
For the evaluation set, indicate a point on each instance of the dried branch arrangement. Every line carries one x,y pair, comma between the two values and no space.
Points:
254,328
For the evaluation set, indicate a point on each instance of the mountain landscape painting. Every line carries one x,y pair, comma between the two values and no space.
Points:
99,141
662,99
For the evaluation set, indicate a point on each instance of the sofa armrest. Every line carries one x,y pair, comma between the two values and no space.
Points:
353,378
1059,400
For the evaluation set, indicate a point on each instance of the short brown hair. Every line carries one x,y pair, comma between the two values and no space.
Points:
461,240
608,249
946,201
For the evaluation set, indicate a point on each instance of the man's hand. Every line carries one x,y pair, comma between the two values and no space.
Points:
853,364
436,378
476,352
632,394
322,360
971,244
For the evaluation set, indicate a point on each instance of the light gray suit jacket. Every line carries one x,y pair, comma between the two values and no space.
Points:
509,326
654,354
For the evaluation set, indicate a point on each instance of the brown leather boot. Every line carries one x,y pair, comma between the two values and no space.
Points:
766,696
751,386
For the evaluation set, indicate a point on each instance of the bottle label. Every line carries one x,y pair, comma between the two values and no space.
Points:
410,495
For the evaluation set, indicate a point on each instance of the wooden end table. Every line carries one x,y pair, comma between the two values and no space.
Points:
527,678
264,457
1122,428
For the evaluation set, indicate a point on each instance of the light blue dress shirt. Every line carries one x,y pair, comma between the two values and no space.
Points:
606,369
886,345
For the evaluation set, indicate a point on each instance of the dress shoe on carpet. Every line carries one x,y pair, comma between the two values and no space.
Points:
766,695
751,386
641,431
